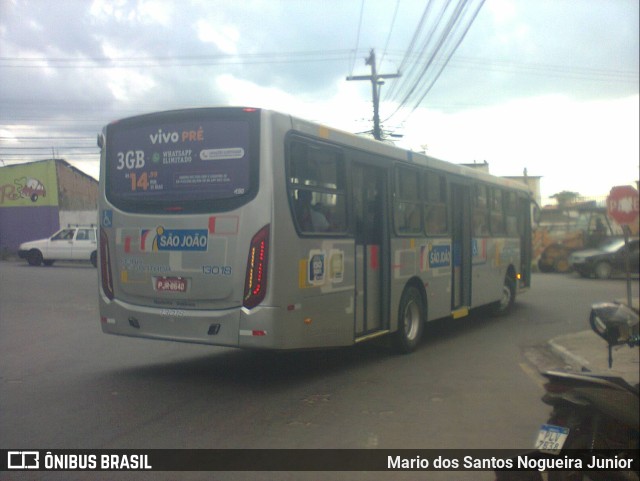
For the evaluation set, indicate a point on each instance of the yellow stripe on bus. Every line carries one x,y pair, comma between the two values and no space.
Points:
302,274
462,312
323,132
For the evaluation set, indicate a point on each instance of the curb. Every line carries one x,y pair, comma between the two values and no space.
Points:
575,361
585,352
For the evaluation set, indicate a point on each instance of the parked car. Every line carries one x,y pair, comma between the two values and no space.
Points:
73,243
607,258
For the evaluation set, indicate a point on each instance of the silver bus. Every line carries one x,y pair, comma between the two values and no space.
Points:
250,228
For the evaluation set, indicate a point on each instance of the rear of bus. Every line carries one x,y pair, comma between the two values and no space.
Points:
185,214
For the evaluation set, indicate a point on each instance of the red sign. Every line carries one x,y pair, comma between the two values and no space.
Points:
622,204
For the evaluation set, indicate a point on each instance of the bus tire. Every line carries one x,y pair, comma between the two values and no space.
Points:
411,316
94,259
505,304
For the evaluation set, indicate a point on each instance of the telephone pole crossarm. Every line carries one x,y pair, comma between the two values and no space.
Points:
375,79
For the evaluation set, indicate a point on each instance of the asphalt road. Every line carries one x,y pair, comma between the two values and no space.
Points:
64,384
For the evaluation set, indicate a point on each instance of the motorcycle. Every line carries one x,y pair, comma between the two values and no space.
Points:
597,414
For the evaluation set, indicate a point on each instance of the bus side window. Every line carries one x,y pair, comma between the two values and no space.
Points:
480,212
407,212
435,188
315,175
511,213
310,217
497,212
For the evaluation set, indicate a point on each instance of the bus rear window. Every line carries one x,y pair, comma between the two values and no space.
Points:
175,163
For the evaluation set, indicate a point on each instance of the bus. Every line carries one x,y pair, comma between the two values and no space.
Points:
250,228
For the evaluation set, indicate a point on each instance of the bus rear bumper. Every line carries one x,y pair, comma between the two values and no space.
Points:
214,327
263,327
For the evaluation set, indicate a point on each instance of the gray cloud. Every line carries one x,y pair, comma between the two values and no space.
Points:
584,49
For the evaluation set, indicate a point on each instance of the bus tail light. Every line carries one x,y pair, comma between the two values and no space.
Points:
105,265
255,283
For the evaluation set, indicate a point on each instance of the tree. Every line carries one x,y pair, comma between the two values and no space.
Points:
565,198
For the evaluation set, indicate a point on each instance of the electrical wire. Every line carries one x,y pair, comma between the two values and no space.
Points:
178,61
419,75
437,76
419,83
431,50
355,51
409,52
393,22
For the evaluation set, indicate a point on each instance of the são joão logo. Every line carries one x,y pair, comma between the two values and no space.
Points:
177,239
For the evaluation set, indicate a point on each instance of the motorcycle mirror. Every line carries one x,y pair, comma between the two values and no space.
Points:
615,323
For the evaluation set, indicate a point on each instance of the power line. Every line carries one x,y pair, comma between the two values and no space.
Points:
355,51
410,57
393,22
409,53
88,156
417,76
178,60
550,70
44,139
44,148
450,36
437,76
413,79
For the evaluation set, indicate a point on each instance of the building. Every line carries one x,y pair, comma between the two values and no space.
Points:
37,198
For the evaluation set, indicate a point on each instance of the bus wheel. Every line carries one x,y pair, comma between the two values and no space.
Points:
508,298
410,321
34,258
94,259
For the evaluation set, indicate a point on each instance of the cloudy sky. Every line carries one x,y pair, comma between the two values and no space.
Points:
547,85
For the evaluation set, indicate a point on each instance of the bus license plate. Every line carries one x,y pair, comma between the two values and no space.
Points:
551,438
171,284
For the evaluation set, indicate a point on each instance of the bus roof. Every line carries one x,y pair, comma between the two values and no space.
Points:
362,143
403,155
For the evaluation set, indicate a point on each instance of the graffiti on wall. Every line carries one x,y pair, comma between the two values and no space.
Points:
28,185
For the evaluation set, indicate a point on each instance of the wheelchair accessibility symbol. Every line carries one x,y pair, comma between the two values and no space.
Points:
107,218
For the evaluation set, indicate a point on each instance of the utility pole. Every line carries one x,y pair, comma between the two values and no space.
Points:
376,82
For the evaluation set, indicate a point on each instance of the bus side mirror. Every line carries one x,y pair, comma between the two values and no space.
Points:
535,214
